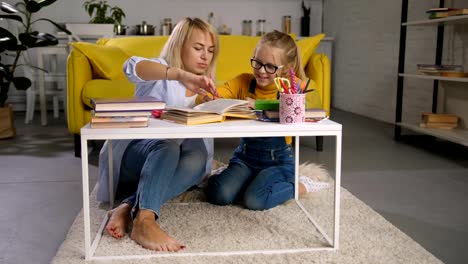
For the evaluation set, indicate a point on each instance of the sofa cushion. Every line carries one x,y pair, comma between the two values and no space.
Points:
106,61
106,88
234,56
143,46
307,47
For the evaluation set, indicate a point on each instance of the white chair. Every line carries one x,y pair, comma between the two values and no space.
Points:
50,83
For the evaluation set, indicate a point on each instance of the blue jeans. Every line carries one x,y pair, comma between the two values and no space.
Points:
260,175
155,171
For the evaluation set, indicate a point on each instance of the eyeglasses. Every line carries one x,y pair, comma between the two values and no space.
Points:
269,68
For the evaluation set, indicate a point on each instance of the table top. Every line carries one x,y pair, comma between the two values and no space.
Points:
230,128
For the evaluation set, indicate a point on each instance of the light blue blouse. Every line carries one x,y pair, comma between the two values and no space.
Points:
170,91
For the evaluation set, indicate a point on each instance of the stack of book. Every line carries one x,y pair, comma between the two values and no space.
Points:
442,121
441,70
123,112
441,12
311,115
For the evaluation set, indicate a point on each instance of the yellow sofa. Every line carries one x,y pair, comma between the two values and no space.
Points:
95,70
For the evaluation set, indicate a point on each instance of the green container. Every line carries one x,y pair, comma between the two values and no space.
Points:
264,104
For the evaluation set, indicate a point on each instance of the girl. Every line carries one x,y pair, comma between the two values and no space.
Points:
261,172
148,173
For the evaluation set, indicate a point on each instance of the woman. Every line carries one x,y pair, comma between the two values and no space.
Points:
148,173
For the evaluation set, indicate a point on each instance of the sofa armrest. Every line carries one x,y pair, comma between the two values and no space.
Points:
79,72
319,70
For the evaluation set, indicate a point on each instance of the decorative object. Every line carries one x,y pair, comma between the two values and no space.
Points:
305,20
292,108
7,128
22,12
103,13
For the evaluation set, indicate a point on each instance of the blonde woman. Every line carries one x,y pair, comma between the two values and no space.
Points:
148,173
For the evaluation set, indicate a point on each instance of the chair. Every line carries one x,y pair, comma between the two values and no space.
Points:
52,82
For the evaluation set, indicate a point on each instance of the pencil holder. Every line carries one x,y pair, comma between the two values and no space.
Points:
291,108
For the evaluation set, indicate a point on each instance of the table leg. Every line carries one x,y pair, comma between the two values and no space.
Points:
336,232
296,168
86,211
111,174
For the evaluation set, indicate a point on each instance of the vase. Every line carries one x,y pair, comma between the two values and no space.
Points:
305,26
7,125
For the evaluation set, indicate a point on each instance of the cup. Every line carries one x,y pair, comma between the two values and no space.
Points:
292,108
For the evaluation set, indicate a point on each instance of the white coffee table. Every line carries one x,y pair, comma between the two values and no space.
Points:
229,129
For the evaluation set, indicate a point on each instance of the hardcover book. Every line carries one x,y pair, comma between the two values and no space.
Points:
136,103
427,117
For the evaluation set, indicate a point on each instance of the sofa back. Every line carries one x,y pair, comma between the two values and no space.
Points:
234,56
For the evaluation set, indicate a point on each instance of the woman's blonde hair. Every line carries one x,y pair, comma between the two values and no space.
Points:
172,51
290,56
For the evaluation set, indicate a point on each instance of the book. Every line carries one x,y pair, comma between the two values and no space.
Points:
134,103
427,117
120,113
120,124
209,112
458,12
438,125
438,15
118,119
315,113
440,9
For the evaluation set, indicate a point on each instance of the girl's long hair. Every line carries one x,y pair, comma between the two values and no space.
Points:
290,56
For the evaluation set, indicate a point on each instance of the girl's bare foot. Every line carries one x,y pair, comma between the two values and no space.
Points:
147,233
119,218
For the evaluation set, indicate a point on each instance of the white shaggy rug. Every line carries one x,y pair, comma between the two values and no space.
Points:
365,236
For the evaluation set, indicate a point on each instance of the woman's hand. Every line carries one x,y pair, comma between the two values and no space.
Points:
198,84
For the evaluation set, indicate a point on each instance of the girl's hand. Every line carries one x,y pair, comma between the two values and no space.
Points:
251,102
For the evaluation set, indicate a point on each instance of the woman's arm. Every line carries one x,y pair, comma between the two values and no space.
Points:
151,70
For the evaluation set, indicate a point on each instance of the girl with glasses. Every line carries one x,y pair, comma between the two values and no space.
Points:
260,175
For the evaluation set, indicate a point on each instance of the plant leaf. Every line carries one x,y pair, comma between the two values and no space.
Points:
21,83
32,6
12,17
56,25
44,3
7,40
7,8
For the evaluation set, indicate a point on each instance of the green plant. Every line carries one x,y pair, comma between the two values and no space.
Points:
22,13
103,12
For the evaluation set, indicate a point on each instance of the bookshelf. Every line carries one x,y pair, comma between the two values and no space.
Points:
458,135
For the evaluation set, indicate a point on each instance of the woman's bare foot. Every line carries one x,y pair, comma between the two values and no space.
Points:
119,218
149,234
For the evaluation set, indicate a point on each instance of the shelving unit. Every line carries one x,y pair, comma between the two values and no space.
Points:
459,136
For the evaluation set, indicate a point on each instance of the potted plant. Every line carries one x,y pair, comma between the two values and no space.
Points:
14,45
102,13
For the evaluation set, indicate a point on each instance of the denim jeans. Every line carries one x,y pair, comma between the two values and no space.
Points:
260,175
155,171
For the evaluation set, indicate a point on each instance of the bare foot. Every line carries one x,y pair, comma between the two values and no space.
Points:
119,218
149,234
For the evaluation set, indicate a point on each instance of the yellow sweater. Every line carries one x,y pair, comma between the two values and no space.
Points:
238,88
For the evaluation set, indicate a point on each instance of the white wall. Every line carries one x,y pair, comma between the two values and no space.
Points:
153,12
226,12
366,55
